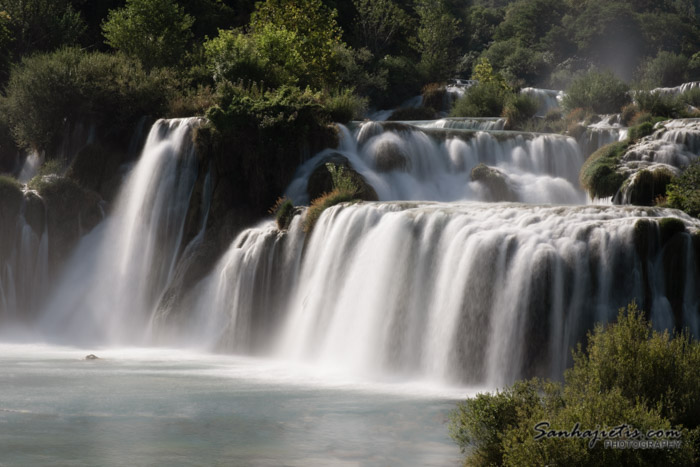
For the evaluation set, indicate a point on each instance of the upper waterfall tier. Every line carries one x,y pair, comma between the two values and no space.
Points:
406,162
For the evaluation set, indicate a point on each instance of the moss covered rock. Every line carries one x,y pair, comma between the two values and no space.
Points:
320,182
599,175
495,182
646,186
669,227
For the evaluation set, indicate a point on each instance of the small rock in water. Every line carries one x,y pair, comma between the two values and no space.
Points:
92,357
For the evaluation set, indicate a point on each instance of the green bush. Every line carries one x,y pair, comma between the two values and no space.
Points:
274,112
691,97
284,212
628,374
324,202
519,109
599,173
600,92
345,106
69,86
658,104
483,100
640,131
684,191
344,189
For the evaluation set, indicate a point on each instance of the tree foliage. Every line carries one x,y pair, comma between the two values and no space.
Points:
48,91
156,32
436,34
314,27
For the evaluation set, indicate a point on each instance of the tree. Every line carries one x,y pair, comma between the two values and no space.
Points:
379,24
437,31
315,28
154,31
41,25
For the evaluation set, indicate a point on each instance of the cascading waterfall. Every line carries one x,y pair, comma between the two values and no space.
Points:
607,130
482,123
458,293
547,98
404,162
113,282
23,261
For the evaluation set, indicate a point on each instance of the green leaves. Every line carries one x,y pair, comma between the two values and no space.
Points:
154,31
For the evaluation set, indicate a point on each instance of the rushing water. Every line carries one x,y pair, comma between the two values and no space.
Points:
435,164
118,272
351,341
474,294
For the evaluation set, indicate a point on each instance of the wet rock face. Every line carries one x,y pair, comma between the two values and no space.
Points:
72,211
96,167
646,186
388,157
495,181
321,182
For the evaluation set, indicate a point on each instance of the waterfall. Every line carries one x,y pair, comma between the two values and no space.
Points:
458,293
404,162
23,260
548,99
607,130
469,123
115,278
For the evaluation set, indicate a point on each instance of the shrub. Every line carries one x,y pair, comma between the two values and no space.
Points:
344,189
658,104
691,97
628,113
345,106
640,131
321,204
483,100
599,173
519,109
628,374
599,92
684,191
284,212
48,91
